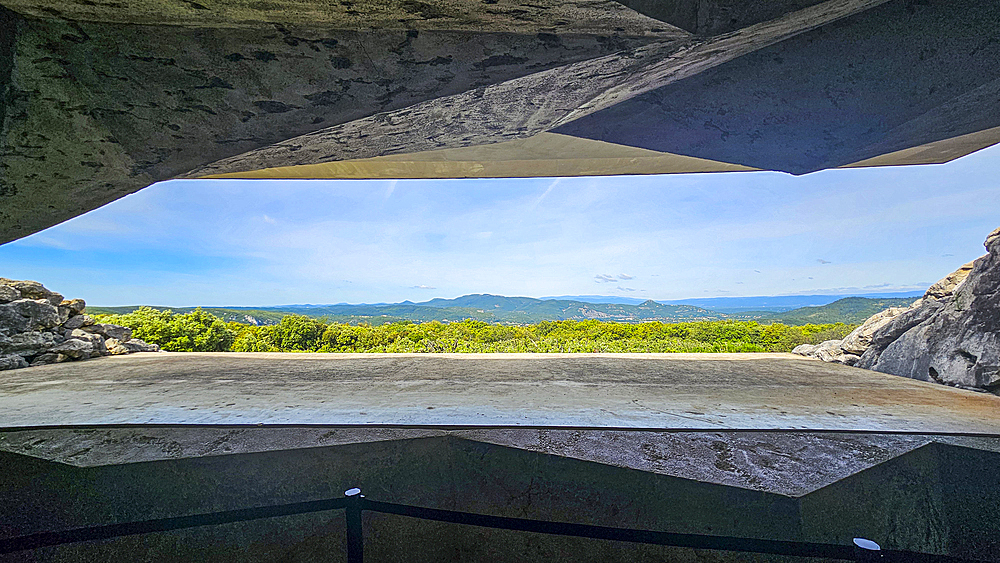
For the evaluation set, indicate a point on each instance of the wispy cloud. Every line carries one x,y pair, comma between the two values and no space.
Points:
545,193
620,288
297,240
821,261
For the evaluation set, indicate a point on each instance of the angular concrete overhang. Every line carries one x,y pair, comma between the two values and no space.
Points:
100,98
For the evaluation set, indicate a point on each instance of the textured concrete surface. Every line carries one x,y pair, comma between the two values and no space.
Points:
907,491
834,94
690,391
100,98
536,103
792,463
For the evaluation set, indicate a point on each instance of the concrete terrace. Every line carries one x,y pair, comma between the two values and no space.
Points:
661,391
750,445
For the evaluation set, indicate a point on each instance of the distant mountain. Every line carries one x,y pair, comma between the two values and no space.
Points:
527,310
488,308
599,299
781,302
850,310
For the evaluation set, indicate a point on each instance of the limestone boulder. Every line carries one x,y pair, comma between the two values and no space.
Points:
953,338
49,358
8,294
39,327
804,349
120,333
78,321
74,348
118,347
25,315
947,286
828,351
12,361
29,344
33,290
76,306
861,338
95,340
833,351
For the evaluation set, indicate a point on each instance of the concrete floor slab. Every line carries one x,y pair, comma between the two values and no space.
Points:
665,391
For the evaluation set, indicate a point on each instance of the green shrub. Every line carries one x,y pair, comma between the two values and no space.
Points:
196,331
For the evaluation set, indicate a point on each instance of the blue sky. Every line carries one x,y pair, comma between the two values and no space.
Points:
256,242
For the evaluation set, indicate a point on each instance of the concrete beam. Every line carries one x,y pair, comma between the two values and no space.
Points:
104,98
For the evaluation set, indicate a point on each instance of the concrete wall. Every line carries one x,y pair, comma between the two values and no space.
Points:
934,499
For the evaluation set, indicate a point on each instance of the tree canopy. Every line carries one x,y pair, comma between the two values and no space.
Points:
199,331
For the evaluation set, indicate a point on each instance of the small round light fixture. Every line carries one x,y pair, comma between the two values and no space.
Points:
862,543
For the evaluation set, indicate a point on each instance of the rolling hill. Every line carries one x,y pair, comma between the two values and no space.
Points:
528,310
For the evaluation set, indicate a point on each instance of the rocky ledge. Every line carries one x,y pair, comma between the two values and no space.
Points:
951,335
38,327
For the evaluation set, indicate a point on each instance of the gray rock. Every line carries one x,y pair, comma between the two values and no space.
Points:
115,347
992,240
74,348
8,294
12,361
33,290
828,350
118,347
95,340
860,338
76,306
110,331
136,345
25,315
847,359
78,321
29,344
804,349
953,339
50,358
946,287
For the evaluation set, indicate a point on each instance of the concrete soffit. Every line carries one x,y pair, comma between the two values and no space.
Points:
525,107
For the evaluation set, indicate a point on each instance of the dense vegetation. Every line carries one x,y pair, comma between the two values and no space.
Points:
199,331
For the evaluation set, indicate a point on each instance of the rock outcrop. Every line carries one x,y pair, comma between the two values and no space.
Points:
39,327
950,336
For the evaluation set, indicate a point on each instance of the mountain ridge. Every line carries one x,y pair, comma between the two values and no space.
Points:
527,310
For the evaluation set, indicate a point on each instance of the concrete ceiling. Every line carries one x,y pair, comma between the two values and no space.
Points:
101,98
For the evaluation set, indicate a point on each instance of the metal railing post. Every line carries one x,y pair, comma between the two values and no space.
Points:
355,535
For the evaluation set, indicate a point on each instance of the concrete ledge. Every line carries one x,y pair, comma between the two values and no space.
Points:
662,391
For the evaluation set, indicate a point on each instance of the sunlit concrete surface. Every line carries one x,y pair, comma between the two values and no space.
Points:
666,391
